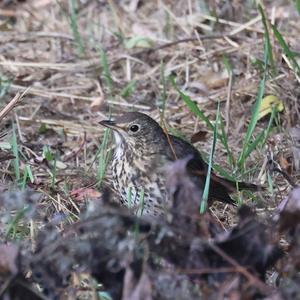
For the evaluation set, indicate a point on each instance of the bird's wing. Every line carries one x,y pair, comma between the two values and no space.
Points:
198,166
178,149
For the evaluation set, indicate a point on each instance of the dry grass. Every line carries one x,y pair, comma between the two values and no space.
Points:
77,66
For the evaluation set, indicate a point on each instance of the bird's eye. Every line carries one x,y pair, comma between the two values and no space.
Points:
134,128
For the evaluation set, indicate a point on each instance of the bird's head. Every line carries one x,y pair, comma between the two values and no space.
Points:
135,129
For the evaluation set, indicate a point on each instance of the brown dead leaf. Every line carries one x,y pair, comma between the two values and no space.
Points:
199,136
198,87
97,103
85,193
215,80
284,164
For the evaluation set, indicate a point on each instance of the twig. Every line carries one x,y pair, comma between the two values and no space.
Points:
47,94
274,166
286,176
12,104
168,138
261,285
208,271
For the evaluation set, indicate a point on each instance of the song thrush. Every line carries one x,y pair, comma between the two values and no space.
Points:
143,149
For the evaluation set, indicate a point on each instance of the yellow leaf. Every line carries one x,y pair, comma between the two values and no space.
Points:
267,105
139,41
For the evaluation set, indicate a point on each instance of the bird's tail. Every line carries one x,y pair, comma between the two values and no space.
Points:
233,186
220,187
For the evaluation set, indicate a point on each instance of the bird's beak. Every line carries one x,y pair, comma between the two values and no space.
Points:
111,124
108,123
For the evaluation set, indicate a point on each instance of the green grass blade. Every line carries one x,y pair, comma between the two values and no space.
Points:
4,85
255,112
223,172
47,154
253,144
263,136
224,139
129,89
104,156
227,65
290,54
252,125
297,2
13,225
267,39
267,131
270,183
53,172
192,105
106,70
203,205
27,175
199,113
104,296
15,150
75,27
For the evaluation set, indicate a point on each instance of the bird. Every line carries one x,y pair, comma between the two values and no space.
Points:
142,151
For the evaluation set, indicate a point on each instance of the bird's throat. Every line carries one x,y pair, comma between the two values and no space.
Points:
120,145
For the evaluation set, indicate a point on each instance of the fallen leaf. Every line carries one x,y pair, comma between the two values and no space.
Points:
85,193
267,105
215,80
139,41
61,165
97,103
284,164
198,87
199,136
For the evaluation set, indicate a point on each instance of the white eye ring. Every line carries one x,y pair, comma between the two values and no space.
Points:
134,128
